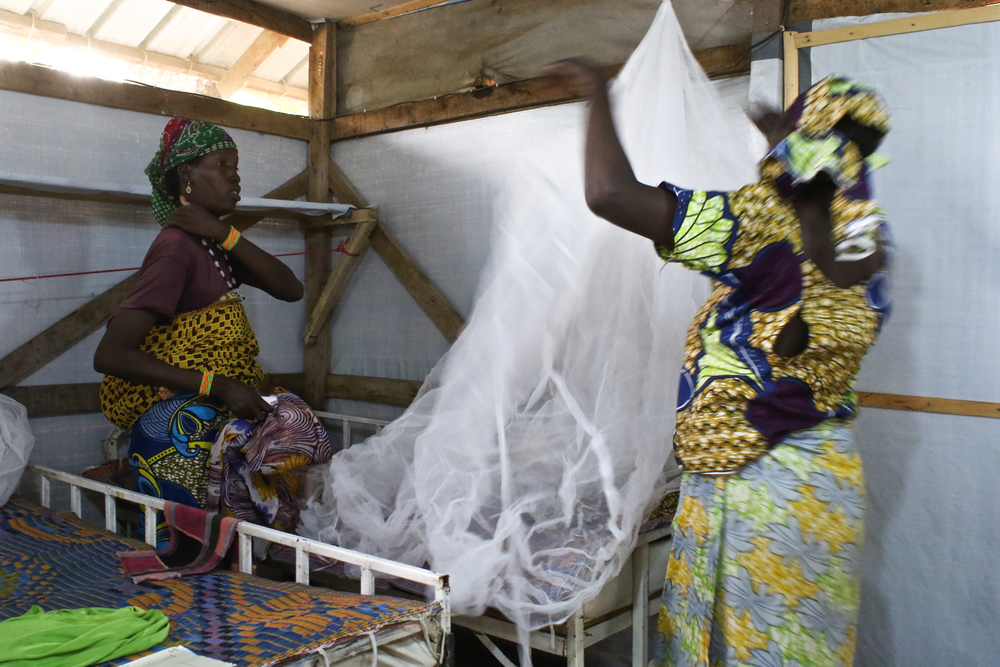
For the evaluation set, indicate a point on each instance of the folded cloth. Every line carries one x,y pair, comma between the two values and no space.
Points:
199,541
255,469
79,637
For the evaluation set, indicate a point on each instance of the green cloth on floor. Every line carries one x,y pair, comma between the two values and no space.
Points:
79,637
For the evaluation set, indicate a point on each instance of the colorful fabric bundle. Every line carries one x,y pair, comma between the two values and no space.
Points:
254,469
183,140
199,541
169,447
217,338
79,637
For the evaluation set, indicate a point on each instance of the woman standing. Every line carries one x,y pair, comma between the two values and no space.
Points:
769,526
180,355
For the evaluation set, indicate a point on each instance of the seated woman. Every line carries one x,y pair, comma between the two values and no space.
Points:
180,355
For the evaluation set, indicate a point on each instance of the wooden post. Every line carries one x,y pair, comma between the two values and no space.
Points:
790,57
322,105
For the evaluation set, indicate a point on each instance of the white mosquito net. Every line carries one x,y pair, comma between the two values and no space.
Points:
542,439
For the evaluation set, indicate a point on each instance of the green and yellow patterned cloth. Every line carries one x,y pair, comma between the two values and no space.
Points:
183,140
738,398
767,536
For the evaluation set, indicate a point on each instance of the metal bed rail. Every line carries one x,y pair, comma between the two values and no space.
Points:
347,420
369,565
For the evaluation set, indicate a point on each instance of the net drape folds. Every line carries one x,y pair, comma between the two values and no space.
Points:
542,438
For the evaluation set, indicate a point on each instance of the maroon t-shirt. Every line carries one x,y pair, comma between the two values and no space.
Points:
179,274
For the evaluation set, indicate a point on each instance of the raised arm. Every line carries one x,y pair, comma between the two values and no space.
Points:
612,190
252,266
119,354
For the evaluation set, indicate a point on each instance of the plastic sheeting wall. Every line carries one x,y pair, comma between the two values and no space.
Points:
931,587
436,189
45,236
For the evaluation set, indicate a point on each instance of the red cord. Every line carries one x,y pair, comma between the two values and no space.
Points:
341,248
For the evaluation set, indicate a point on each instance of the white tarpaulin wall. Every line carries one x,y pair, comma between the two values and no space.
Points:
931,586
437,189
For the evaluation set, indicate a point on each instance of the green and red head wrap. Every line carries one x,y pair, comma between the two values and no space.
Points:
183,140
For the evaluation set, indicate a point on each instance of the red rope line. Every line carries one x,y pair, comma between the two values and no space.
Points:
341,248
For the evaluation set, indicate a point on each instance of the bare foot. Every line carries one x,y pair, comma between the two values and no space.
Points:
165,393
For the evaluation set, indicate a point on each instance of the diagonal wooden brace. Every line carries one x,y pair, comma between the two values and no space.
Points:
427,295
63,335
339,278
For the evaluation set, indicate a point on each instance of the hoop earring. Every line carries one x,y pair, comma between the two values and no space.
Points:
187,190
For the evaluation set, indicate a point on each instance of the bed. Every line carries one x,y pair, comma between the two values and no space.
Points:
56,560
627,601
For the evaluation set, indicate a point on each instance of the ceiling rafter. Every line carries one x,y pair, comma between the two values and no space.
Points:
266,43
256,14
200,54
57,33
160,27
105,16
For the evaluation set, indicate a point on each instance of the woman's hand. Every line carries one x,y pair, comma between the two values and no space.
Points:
610,185
582,78
812,204
243,400
198,222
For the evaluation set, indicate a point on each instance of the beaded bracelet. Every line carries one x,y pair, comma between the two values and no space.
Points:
232,239
206,383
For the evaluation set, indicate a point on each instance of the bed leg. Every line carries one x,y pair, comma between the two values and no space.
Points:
574,640
448,660
640,606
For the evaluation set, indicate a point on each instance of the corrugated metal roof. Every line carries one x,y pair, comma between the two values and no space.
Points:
159,34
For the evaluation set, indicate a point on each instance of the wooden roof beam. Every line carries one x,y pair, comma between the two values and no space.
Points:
719,62
266,43
57,34
45,82
398,10
254,13
812,10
